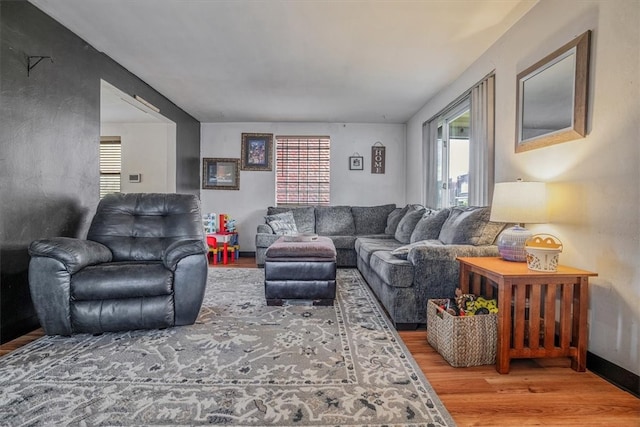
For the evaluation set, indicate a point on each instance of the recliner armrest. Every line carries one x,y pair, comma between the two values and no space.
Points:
75,254
183,248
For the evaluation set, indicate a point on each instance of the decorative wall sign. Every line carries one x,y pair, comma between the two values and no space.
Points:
378,157
256,152
220,174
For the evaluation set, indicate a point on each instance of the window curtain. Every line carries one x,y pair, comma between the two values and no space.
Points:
430,144
482,146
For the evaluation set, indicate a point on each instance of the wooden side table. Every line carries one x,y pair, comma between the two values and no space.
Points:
540,314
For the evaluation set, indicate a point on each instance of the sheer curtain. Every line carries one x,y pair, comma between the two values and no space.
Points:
481,148
430,141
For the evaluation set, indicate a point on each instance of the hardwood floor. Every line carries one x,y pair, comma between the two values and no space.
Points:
535,392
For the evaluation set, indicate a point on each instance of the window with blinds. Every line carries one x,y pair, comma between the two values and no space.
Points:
110,164
302,170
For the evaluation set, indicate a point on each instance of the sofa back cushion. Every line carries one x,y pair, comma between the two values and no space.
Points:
335,221
470,226
394,219
304,217
371,219
408,223
429,226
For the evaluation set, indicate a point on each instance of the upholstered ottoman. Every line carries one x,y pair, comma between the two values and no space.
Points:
300,270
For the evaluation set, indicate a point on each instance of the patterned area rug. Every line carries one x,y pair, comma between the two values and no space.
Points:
242,363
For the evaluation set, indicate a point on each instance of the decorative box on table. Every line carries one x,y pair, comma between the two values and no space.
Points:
462,340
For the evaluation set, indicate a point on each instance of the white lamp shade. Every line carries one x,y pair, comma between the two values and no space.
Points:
519,202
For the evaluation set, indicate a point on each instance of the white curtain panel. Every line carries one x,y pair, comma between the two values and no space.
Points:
482,146
430,144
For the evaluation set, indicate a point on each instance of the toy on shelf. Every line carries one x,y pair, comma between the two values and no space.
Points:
227,224
210,222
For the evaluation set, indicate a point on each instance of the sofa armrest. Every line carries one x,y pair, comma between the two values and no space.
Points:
181,249
420,254
436,271
74,254
265,229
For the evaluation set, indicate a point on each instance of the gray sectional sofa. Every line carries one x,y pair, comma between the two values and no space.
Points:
406,255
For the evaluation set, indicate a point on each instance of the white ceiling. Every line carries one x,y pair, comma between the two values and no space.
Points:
368,61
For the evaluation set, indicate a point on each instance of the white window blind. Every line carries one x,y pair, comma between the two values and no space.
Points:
110,165
302,170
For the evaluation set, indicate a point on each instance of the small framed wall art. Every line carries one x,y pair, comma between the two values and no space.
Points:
257,152
220,174
356,163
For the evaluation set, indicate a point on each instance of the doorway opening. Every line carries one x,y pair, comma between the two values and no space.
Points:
147,138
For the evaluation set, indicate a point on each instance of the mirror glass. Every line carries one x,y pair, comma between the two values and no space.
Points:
551,105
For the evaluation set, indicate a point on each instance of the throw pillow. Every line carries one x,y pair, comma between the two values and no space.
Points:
470,226
335,221
408,223
282,223
304,217
403,251
428,228
394,219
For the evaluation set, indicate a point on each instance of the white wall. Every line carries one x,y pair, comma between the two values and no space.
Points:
257,189
148,149
594,182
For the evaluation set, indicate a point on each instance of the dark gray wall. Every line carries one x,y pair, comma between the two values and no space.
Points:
49,140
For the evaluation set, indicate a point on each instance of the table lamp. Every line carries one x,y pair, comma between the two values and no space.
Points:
518,202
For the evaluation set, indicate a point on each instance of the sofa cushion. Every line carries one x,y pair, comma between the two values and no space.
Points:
408,223
393,271
367,246
334,221
282,223
394,219
304,216
429,225
469,226
344,242
371,219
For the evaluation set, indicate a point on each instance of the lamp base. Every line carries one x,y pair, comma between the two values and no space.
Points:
511,243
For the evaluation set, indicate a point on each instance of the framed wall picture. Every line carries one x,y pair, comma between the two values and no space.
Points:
356,163
220,174
257,151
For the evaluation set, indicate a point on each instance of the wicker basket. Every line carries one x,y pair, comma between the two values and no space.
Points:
462,341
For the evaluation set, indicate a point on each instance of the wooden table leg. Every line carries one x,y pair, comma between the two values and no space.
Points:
580,304
463,283
504,328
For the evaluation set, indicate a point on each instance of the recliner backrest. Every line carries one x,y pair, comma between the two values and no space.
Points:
140,226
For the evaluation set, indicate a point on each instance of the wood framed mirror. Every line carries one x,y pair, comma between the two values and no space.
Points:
551,102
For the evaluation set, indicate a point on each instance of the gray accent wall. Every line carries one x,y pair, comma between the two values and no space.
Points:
49,140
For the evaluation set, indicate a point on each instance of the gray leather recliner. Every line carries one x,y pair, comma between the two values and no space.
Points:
142,266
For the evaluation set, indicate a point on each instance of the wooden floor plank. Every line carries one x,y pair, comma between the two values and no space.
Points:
536,392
